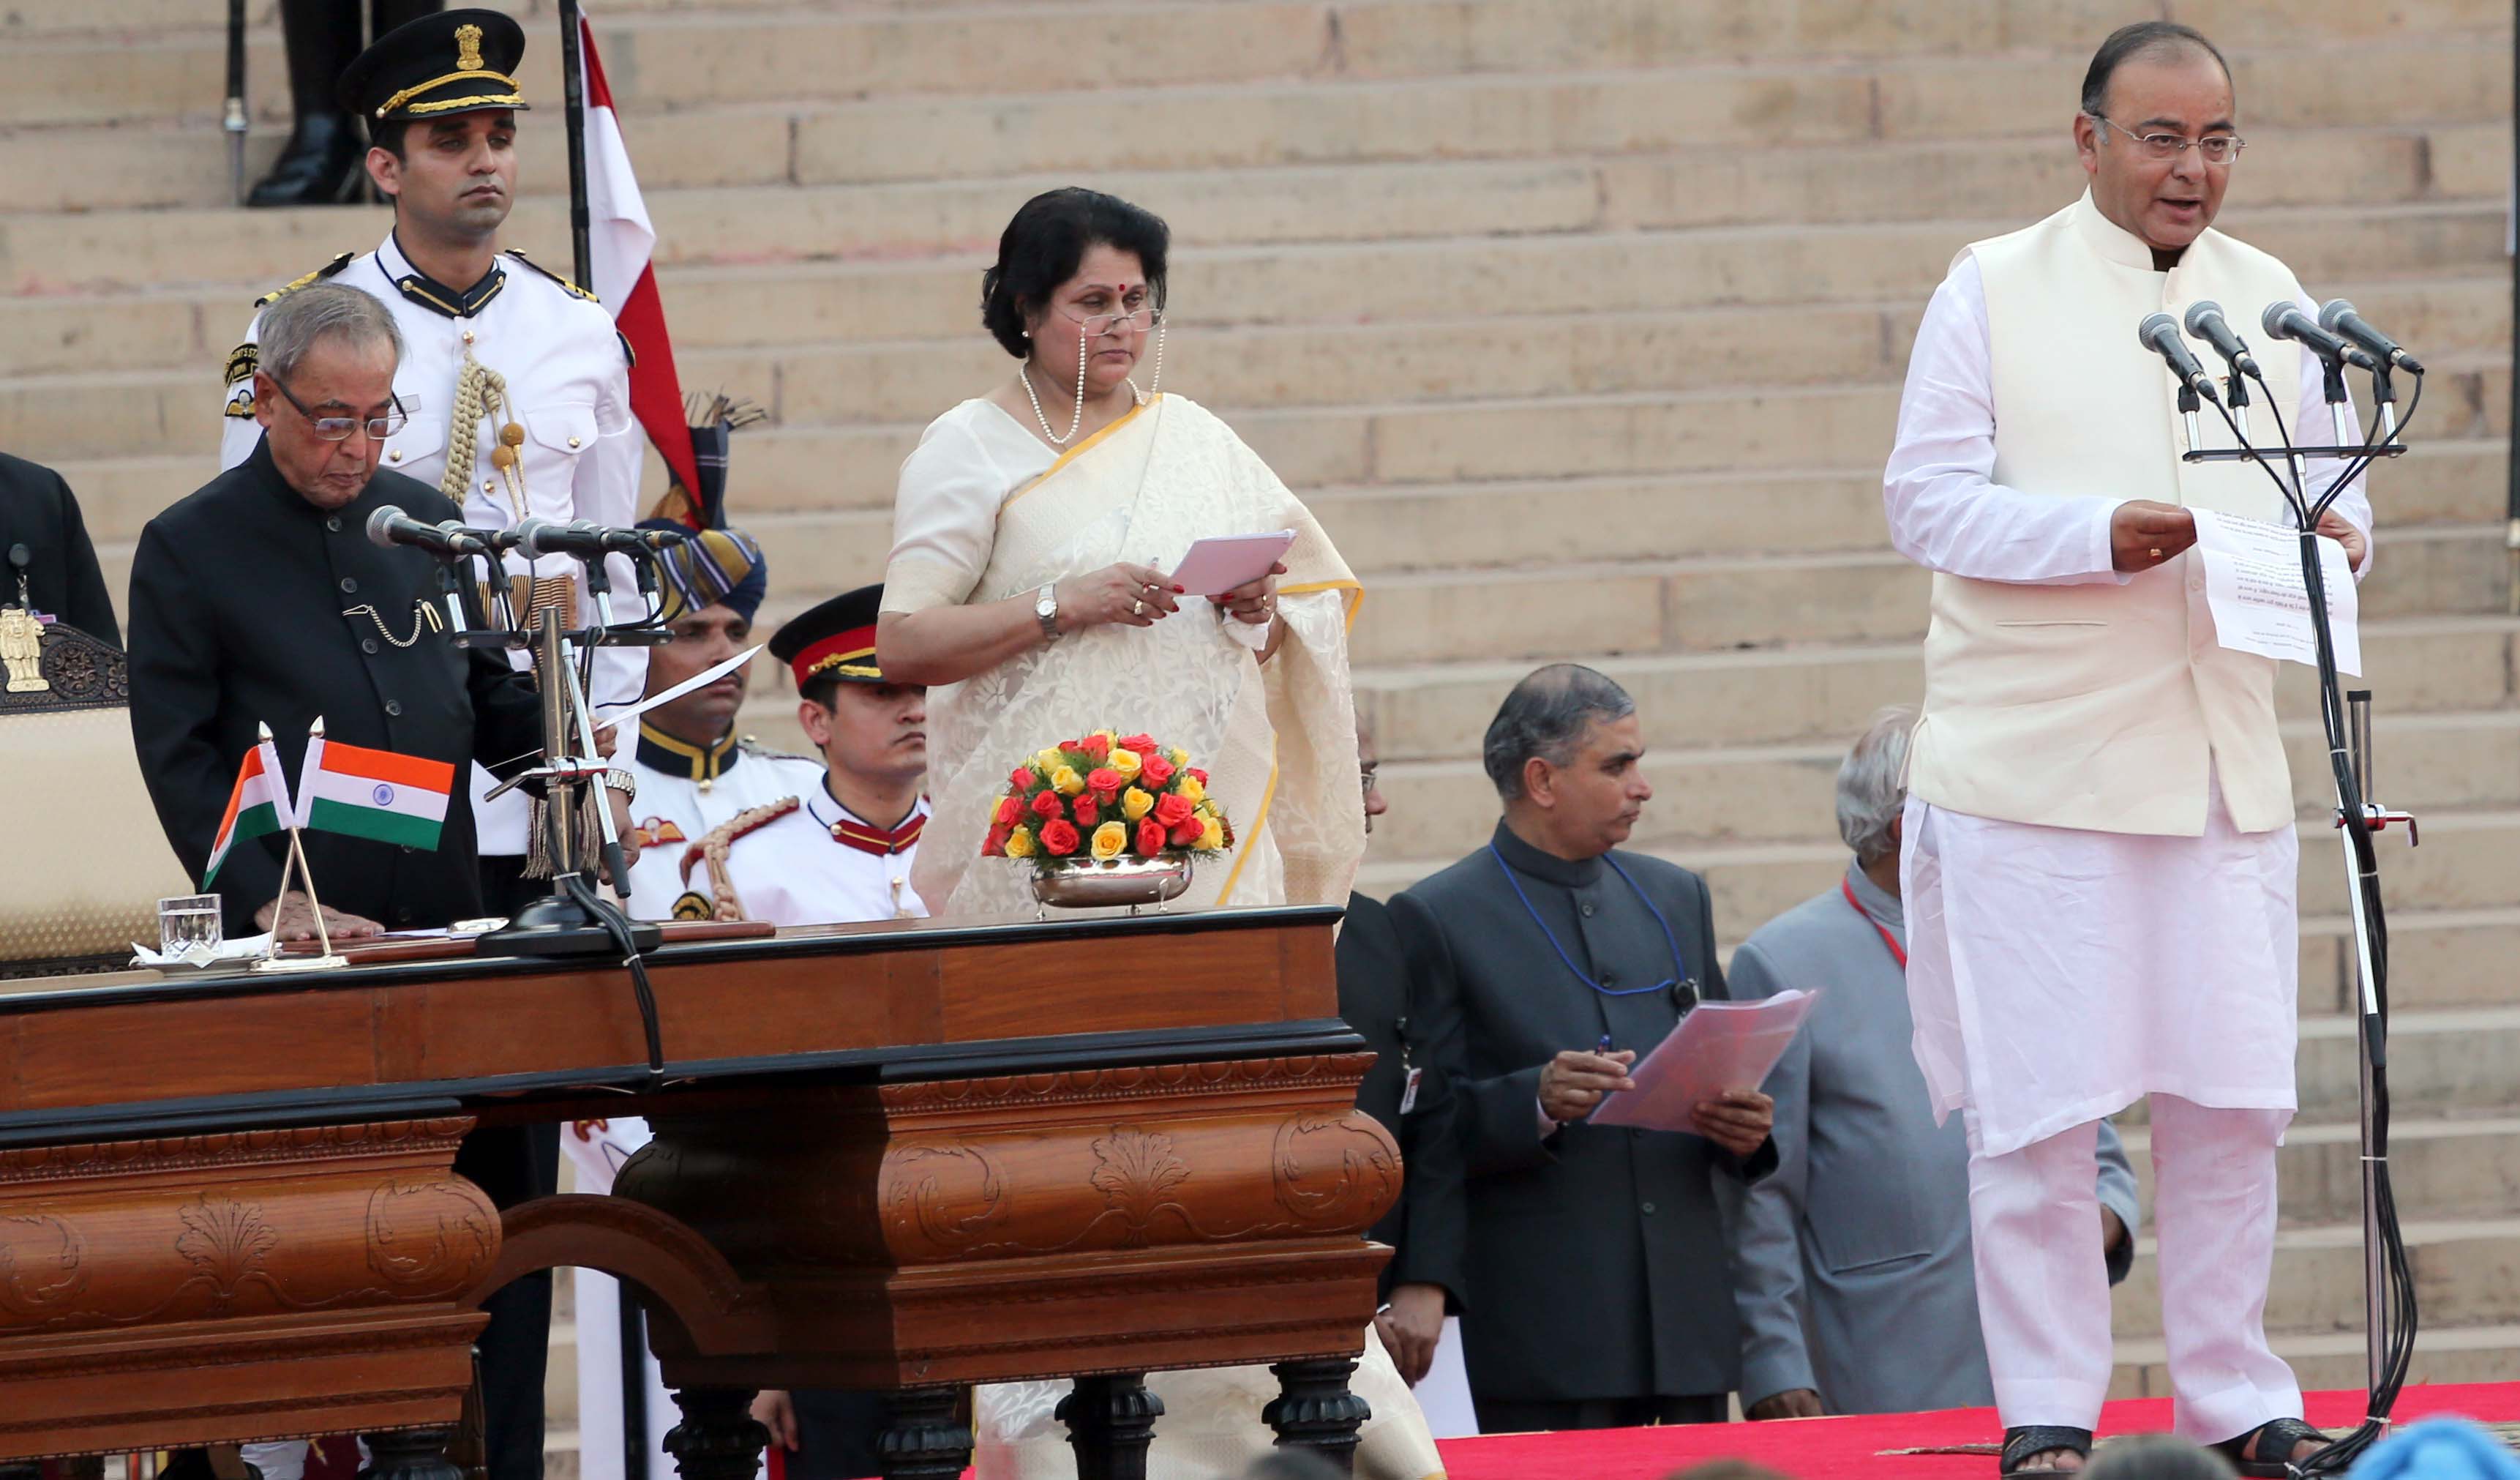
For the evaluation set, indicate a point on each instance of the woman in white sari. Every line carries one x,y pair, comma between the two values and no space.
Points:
1027,589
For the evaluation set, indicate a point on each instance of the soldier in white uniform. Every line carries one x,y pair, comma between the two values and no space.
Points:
842,849
694,772
518,385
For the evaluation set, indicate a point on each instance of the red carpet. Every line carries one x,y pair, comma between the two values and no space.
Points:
1825,1449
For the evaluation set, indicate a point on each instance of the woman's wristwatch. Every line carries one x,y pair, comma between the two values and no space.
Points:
1046,609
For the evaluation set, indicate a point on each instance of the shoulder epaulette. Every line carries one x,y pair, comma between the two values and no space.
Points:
712,848
573,290
317,276
753,747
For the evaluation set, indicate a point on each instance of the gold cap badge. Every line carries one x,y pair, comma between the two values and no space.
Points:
467,48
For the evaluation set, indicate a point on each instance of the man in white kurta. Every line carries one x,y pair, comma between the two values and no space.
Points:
2099,858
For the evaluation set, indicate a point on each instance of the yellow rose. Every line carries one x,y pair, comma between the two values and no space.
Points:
1136,803
1111,840
1066,781
1187,787
1019,844
1126,762
1212,835
1206,811
1046,760
1110,737
1179,759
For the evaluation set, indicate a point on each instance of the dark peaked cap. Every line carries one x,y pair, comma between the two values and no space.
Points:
458,61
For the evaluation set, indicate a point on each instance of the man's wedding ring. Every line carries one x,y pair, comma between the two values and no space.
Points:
1137,607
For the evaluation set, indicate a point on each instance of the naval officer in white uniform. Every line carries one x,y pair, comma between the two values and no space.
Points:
694,772
516,382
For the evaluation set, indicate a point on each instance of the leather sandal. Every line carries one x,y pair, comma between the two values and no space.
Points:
2020,1444
2281,1435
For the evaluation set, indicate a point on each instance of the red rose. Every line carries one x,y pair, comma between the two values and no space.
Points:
1087,814
1047,804
996,847
1069,745
1151,837
1021,778
1144,745
1189,833
1104,782
1059,837
1155,771
1172,809
1196,774
1095,746
1010,812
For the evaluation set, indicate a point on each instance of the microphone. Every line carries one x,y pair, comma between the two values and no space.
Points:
390,525
2205,321
537,537
2159,333
2338,317
2287,321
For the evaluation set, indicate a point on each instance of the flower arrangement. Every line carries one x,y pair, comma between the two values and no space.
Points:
1105,797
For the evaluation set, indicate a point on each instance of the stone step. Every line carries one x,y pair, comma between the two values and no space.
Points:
2332,1360
2441,1167
1823,694
2463,864
2467,1267
1784,794
686,57
2437,958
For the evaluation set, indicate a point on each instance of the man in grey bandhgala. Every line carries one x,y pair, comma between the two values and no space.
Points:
1546,962
1851,1263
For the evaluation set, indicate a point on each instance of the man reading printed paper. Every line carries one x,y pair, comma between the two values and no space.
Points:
2098,861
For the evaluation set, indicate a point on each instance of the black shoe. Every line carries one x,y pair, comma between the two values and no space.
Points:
321,167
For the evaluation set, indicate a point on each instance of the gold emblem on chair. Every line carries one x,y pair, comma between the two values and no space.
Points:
467,48
22,649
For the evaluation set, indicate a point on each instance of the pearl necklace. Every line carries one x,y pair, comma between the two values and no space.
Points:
1077,420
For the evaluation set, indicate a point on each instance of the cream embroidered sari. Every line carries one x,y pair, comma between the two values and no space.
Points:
985,512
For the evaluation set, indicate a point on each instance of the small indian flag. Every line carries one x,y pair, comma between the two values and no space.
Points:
257,804
373,793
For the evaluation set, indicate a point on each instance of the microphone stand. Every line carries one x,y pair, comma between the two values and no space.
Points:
2391,1314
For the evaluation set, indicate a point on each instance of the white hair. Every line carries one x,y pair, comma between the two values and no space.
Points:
1871,783
291,326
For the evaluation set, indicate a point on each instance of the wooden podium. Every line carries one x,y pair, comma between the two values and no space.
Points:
900,1156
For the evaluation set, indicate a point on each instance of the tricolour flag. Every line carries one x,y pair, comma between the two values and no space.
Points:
257,804
620,241
373,793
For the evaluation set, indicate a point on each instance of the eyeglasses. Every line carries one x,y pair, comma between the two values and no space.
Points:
338,428
2213,148
1099,324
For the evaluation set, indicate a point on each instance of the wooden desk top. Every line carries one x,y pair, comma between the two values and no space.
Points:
129,1054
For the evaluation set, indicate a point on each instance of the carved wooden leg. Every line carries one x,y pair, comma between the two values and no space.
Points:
718,1438
1110,1421
926,1439
418,1454
1314,1411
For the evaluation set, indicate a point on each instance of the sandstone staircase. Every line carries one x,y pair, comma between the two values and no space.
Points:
1581,324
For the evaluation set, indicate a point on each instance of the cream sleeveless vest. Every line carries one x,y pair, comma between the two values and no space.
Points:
2102,706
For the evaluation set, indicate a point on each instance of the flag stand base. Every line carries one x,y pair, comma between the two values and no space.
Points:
557,925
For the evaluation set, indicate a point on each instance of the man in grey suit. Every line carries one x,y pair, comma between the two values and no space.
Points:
1544,963
1851,1264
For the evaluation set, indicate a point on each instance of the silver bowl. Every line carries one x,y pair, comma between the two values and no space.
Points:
1088,884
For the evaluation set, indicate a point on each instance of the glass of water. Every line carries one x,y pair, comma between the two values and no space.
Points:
189,924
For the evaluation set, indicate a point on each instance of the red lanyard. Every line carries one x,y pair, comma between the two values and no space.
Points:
1846,887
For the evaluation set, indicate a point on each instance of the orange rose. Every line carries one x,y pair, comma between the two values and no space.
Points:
1172,810
1059,838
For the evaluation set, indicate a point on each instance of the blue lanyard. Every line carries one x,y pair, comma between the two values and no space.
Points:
1667,938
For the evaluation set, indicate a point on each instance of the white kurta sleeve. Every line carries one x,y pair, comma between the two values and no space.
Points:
944,520
1946,513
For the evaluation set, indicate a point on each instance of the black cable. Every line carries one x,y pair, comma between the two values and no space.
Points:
618,925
